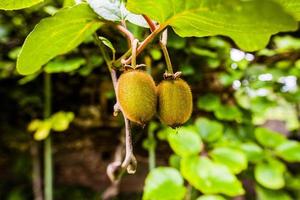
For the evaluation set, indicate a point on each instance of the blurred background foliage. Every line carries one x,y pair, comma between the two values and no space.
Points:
245,123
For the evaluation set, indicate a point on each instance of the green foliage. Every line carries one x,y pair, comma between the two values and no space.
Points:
289,151
234,159
17,4
211,197
237,19
210,177
209,130
49,38
58,122
164,183
185,142
270,174
269,138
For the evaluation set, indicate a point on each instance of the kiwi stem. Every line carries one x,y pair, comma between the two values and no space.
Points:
126,32
133,47
146,42
162,43
129,162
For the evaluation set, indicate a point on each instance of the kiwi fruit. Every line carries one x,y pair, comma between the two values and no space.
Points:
175,102
136,94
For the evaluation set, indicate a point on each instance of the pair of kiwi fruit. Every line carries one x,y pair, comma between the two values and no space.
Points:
139,98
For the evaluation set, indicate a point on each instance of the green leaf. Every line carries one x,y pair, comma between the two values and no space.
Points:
209,130
116,11
234,159
249,23
265,194
56,35
211,197
210,177
289,151
270,174
253,152
17,4
61,120
43,130
59,65
107,43
292,6
185,142
174,161
209,102
229,113
268,138
164,183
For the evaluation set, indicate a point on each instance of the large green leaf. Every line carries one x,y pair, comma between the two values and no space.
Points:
292,6
209,130
234,159
268,137
210,177
185,142
249,23
56,35
164,183
270,174
289,151
266,194
17,4
209,102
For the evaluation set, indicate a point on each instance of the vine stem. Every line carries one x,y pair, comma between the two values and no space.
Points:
146,42
48,182
129,157
162,43
151,151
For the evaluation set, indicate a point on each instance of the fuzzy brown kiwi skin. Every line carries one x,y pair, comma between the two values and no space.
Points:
175,102
136,94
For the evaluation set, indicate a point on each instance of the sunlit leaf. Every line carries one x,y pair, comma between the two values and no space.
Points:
289,151
268,137
270,174
210,177
164,183
234,159
17,4
56,35
209,130
185,142
249,23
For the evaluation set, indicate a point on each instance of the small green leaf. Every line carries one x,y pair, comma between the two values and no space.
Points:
60,121
17,4
249,23
270,174
209,102
289,151
210,177
209,130
164,183
228,113
43,131
268,138
253,152
59,65
56,35
185,142
107,43
211,197
34,125
266,194
234,159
